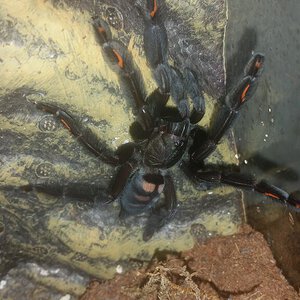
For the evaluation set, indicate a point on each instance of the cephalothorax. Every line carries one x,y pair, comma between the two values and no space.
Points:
161,135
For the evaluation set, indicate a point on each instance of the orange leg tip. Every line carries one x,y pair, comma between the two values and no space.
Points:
101,30
65,124
244,93
258,64
153,12
119,58
271,195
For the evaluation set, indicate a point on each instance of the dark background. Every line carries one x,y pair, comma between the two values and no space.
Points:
267,131
272,28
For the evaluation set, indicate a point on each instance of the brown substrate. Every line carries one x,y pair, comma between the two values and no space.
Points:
235,267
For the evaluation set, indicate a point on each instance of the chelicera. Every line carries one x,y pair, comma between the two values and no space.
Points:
162,135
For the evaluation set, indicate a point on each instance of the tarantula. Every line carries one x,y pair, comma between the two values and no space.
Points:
162,134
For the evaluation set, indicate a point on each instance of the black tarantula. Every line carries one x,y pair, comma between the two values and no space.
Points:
161,134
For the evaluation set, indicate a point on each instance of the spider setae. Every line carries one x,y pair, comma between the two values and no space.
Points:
161,134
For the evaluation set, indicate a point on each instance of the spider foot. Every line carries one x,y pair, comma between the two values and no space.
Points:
247,86
277,194
255,65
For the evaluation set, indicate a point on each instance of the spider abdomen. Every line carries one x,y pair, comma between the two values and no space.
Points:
141,192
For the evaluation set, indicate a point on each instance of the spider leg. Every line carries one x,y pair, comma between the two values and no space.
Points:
246,181
162,213
227,113
77,190
156,47
169,79
88,138
145,108
155,36
120,57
